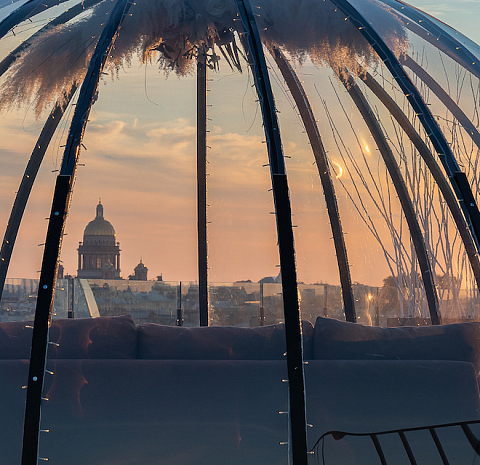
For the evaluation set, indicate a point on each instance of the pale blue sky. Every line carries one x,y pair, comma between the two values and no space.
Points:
462,15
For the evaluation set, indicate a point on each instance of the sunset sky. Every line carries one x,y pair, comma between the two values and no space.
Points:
140,161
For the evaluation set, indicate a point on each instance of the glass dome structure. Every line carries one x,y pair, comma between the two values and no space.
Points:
339,141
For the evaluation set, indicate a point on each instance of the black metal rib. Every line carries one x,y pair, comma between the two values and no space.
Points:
454,109
43,317
61,198
342,434
90,86
462,189
425,28
306,113
378,448
403,196
439,446
435,170
23,12
59,20
43,141
202,187
407,448
465,425
26,184
293,332
474,442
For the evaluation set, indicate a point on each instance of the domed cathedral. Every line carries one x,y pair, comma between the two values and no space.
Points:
99,255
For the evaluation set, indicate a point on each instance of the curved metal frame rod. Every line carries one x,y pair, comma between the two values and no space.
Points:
202,188
403,196
293,329
436,36
60,204
308,119
454,109
59,20
27,182
342,434
434,168
472,439
457,178
23,12
41,146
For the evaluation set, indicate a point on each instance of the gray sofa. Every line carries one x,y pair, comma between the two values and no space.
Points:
123,394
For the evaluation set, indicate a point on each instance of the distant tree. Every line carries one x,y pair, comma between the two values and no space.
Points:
413,280
388,297
389,281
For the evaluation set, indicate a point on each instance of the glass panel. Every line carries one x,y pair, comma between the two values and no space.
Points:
130,286
340,396
450,92
131,375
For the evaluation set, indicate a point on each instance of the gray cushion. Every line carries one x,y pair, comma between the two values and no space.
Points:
339,340
217,343
98,338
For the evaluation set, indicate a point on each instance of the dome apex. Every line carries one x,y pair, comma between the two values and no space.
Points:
99,226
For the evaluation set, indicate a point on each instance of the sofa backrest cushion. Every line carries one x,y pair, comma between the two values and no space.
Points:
217,343
99,338
339,340
95,338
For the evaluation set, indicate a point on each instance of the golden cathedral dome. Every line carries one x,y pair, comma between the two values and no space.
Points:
99,226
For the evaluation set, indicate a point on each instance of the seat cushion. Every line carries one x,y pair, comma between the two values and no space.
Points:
222,412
